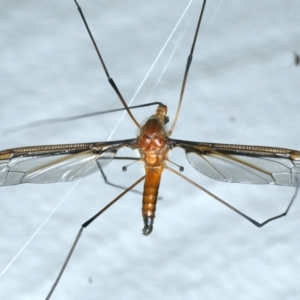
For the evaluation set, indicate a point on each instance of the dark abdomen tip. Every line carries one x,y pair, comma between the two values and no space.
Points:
148,225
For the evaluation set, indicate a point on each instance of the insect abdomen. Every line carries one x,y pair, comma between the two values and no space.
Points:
151,186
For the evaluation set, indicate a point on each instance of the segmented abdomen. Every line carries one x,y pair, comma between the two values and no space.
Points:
151,186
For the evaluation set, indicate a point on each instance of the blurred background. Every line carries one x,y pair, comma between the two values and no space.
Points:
243,88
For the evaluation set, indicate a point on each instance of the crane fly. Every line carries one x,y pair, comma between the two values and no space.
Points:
223,162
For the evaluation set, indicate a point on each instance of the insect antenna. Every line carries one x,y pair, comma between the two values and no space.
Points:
110,80
83,226
187,68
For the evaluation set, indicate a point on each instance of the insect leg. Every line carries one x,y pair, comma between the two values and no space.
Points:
72,118
296,58
233,208
84,225
110,80
187,68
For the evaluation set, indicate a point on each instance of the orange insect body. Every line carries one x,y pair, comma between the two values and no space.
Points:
223,162
153,147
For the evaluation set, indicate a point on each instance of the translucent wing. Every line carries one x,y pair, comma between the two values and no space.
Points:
55,163
243,164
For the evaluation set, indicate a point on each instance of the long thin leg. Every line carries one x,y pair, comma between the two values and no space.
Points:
110,80
187,68
72,118
233,208
84,225
106,181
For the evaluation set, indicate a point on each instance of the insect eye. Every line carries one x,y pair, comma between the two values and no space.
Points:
166,120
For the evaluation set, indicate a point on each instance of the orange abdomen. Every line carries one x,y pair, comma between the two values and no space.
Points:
151,186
